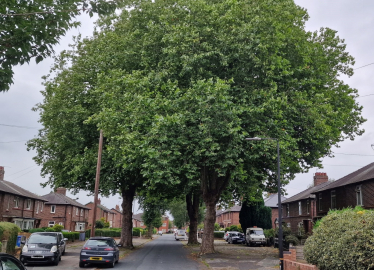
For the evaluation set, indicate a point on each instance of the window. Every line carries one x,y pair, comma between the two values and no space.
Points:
51,224
37,207
27,224
79,226
18,222
359,195
61,223
320,202
53,208
81,212
8,203
288,210
10,264
164,224
16,202
333,199
141,223
307,206
76,211
300,210
28,204
41,210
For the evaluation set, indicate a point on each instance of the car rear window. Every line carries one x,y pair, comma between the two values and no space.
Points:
42,239
99,243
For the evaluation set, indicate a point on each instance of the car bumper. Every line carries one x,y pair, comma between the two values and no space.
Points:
96,259
39,258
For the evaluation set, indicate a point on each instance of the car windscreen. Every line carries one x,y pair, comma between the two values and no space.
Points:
99,243
233,234
42,239
257,232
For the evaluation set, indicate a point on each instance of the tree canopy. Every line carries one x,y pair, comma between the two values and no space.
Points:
30,29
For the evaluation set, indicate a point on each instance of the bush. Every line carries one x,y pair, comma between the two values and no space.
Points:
71,236
58,228
219,234
108,232
344,239
36,230
269,233
9,231
136,231
99,224
50,229
216,227
291,239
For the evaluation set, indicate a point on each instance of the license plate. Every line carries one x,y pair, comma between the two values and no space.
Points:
258,242
96,258
180,234
37,257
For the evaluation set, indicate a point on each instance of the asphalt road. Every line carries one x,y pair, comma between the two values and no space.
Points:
163,253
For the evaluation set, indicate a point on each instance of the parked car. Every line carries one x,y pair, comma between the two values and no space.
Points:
255,236
43,247
99,250
226,236
10,262
180,235
160,233
235,238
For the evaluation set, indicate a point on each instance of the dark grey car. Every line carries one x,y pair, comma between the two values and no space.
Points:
43,247
99,250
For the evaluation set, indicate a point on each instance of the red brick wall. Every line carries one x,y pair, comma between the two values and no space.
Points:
165,225
228,219
290,263
294,218
274,216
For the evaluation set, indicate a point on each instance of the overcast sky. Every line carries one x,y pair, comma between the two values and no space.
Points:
352,19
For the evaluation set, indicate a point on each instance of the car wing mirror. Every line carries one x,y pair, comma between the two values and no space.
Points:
119,245
65,239
23,242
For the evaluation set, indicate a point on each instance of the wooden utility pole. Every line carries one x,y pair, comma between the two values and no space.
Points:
98,167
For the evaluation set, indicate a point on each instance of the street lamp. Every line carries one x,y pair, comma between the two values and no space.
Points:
280,233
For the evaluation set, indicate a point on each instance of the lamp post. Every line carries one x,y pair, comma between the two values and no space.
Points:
280,232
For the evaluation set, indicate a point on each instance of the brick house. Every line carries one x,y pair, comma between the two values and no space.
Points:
64,211
137,221
117,220
272,202
228,217
165,224
18,205
299,211
101,212
354,189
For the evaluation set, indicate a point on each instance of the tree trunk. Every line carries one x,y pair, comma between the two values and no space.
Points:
212,186
127,200
150,231
192,202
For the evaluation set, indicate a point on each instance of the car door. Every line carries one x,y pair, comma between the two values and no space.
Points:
116,249
11,264
60,246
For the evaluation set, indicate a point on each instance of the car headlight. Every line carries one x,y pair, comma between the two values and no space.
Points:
25,249
54,249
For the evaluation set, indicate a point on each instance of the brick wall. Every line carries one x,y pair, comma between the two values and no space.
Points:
290,263
274,216
228,218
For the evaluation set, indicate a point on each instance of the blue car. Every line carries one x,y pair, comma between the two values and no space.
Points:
99,250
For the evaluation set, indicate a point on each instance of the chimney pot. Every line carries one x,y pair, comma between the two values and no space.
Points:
117,207
98,201
320,178
2,172
61,190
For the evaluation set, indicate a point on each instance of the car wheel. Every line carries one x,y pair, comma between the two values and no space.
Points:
63,252
111,265
81,264
56,262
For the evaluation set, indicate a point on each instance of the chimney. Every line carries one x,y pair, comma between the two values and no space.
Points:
320,178
98,201
117,207
2,172
61,190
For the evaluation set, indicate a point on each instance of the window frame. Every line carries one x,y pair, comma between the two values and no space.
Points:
300,209
53,206
288,209
76,211
82,212
333,199
51,223
359,197
320,201
16,202
307,206
28,204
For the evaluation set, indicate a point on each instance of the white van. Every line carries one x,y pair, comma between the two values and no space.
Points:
180,235
255,236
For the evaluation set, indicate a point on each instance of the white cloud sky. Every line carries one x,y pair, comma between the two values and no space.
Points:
352,19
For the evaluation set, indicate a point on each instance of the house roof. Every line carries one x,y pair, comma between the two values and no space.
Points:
102,207
9,187
58,198
272,200
306,194
138,216
235,208
360,175
113,209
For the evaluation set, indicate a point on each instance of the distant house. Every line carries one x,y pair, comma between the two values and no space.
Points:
117,219
272,202
65,211
228,217
18,205
138,222
299,211
354,189
101,212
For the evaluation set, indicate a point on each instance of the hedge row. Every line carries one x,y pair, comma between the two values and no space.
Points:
9,231
219,234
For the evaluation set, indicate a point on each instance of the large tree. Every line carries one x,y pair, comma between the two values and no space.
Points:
30,29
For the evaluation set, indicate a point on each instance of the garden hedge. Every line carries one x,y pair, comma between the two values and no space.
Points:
9,231
343,240
219,234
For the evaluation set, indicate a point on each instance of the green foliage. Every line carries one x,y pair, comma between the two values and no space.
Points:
255,213
269,233
50,229
216,227
29,35
219,234
137,231
344,239
9,231
234,228
71,236
99,224
108,232
36,230
58,228
292,239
